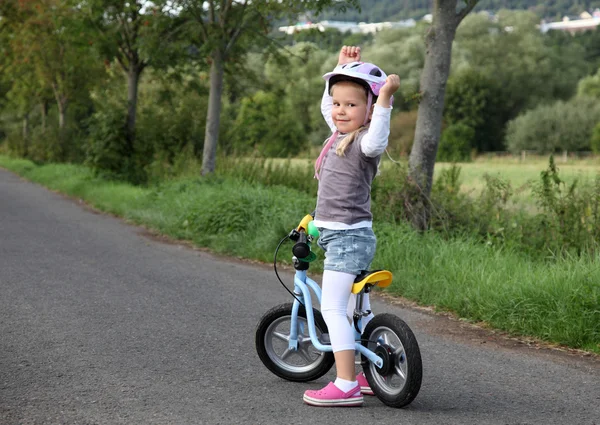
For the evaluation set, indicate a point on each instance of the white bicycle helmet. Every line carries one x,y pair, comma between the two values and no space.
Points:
370,76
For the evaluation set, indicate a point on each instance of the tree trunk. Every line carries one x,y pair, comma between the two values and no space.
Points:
26,127
431,107
44,110
133,79
211,135
62,114
61,103
26,134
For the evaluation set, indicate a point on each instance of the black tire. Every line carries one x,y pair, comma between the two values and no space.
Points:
402,381
303,365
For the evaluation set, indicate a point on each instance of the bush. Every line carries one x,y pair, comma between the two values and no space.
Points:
589,86
472,98
595,141
562,126
106,148
456,143
171,116
570,218
402,132
265,125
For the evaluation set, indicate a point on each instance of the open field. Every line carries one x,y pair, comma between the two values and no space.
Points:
520,173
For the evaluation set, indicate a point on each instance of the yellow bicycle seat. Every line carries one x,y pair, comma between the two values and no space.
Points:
383,278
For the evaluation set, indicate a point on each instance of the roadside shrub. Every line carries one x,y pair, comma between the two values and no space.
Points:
106,148
15,145
567,221
452,210
402,132
47,146
171,118
165,166
570,217
388,193
269,172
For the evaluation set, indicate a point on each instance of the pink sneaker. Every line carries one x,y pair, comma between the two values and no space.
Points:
333,396
364,385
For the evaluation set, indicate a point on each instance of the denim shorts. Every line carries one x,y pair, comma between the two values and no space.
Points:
349,251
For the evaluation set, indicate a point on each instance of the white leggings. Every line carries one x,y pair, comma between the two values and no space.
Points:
337,307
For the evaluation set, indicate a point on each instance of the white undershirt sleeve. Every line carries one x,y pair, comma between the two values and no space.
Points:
376,140
326,108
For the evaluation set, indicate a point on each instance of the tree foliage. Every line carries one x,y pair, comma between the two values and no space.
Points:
224,28
590,86
474,99
266,125
500,68
555,127
456,143
135,34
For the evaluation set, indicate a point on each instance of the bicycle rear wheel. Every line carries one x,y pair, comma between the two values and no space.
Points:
272,345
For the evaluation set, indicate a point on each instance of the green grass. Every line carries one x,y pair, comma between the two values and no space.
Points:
556,302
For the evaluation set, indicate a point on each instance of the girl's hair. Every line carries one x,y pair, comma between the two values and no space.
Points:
346,141
343,145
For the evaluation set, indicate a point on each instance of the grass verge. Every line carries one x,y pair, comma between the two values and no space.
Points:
556,302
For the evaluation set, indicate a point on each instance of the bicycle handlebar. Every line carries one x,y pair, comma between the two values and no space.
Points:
301,248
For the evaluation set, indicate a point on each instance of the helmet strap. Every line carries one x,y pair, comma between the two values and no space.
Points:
324,151
369,104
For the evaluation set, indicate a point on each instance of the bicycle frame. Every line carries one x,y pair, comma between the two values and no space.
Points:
302,287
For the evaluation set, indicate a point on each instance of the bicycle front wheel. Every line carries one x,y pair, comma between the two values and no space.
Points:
306,363
398,382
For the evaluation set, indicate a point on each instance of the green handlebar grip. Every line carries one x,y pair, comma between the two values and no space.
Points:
312,230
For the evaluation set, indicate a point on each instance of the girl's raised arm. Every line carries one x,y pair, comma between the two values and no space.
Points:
326,108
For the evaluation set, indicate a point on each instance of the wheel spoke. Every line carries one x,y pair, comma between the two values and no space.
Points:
281,336
400,372
399,351
303,352
288,352
387,379
386,338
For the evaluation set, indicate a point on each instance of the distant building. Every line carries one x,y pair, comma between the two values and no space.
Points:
583,22
353,27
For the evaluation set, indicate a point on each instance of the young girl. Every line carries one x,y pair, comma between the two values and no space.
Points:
356,106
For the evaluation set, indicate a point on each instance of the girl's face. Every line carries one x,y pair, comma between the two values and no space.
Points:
349,106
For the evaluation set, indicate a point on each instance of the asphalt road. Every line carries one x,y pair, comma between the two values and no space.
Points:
101,323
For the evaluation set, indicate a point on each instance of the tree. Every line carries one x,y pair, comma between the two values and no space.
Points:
48,54
51,40
222,27
135,34
473,99
590,86
16,74
267,126
435,74
560,126
296,78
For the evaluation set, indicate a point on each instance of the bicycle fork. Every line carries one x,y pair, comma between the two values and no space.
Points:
302,286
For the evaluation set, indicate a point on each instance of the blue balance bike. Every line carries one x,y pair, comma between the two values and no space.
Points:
292,339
